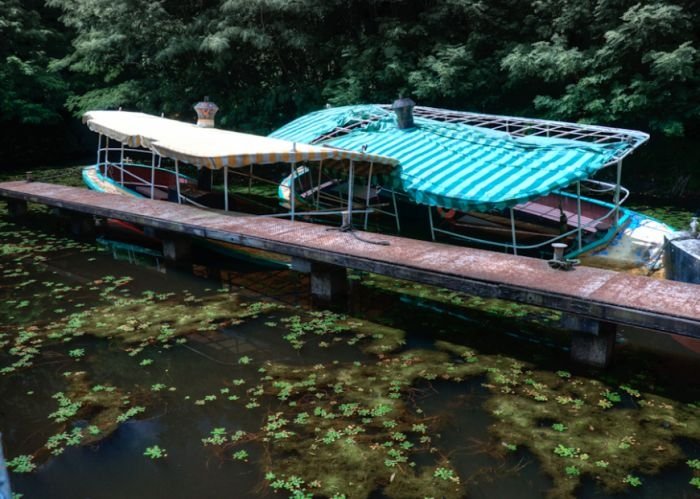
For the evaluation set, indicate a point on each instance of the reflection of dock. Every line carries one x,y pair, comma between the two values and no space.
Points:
594,301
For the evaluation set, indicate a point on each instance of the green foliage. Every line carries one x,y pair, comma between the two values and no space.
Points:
266,62
31,90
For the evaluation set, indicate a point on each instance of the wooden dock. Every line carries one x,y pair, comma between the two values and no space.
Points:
592,299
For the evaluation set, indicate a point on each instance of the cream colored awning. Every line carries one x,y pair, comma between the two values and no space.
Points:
214,148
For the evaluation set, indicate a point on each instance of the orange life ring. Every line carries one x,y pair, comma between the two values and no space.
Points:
448,214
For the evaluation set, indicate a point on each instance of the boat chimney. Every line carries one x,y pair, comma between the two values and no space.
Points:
403,108
205,113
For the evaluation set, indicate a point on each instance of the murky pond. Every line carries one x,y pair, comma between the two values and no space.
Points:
122,379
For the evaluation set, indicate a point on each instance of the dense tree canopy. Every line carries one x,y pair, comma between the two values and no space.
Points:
618,62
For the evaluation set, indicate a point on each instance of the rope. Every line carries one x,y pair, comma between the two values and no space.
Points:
348,228
567,264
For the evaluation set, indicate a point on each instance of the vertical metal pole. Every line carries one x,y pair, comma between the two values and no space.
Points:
578,210
153,174
226,187
430,219
369,186
292,190
318,187
512,230
292,180
106,172
177,181
396,211
250,178
617,191
99,143
351,182
121,164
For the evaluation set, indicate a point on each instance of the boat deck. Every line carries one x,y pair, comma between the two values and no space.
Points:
603,295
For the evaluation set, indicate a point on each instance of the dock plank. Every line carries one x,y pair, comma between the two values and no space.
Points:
600,294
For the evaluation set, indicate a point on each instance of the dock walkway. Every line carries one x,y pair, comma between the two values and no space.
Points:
596,296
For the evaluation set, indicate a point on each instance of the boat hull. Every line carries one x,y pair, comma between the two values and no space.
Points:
96,181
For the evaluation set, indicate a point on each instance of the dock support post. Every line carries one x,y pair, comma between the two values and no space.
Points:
80,224
592,341
176,248
16,207
328,282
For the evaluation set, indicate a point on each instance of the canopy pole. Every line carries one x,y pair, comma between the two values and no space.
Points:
369,185
121,163
226,186
617,192
512,230
99,144
430,219
318,187
396,211
250,179
578,210
351,182
153,173
292,181
106,172
177,181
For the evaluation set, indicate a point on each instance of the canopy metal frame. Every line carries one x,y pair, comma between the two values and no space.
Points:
517,127
121,176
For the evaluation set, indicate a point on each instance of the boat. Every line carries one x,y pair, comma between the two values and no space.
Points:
145,156
682,263
505,183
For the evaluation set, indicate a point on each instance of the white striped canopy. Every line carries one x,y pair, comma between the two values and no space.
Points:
214,148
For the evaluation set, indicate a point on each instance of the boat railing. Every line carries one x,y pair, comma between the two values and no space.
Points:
596,186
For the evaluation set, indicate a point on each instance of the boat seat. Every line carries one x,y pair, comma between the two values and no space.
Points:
552,213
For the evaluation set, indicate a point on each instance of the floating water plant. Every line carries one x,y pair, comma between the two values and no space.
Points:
155,452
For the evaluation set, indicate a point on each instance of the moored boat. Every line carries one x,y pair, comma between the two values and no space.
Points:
512,184
140,155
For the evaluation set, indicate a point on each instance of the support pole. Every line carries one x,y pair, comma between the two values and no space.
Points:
369,187
318,186
121,165
16,207
106,172
592,341
176,248
396,212
99,144
292,190
512,230
430,219
153,174
226,187
351,183
578,212
328,282
81,224
617,192
177,181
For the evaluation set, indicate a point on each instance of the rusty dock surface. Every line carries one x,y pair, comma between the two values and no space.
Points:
591,293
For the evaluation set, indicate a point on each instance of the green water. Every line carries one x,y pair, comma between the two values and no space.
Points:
222,380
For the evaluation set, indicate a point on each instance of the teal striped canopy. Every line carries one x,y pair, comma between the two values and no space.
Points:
455,165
